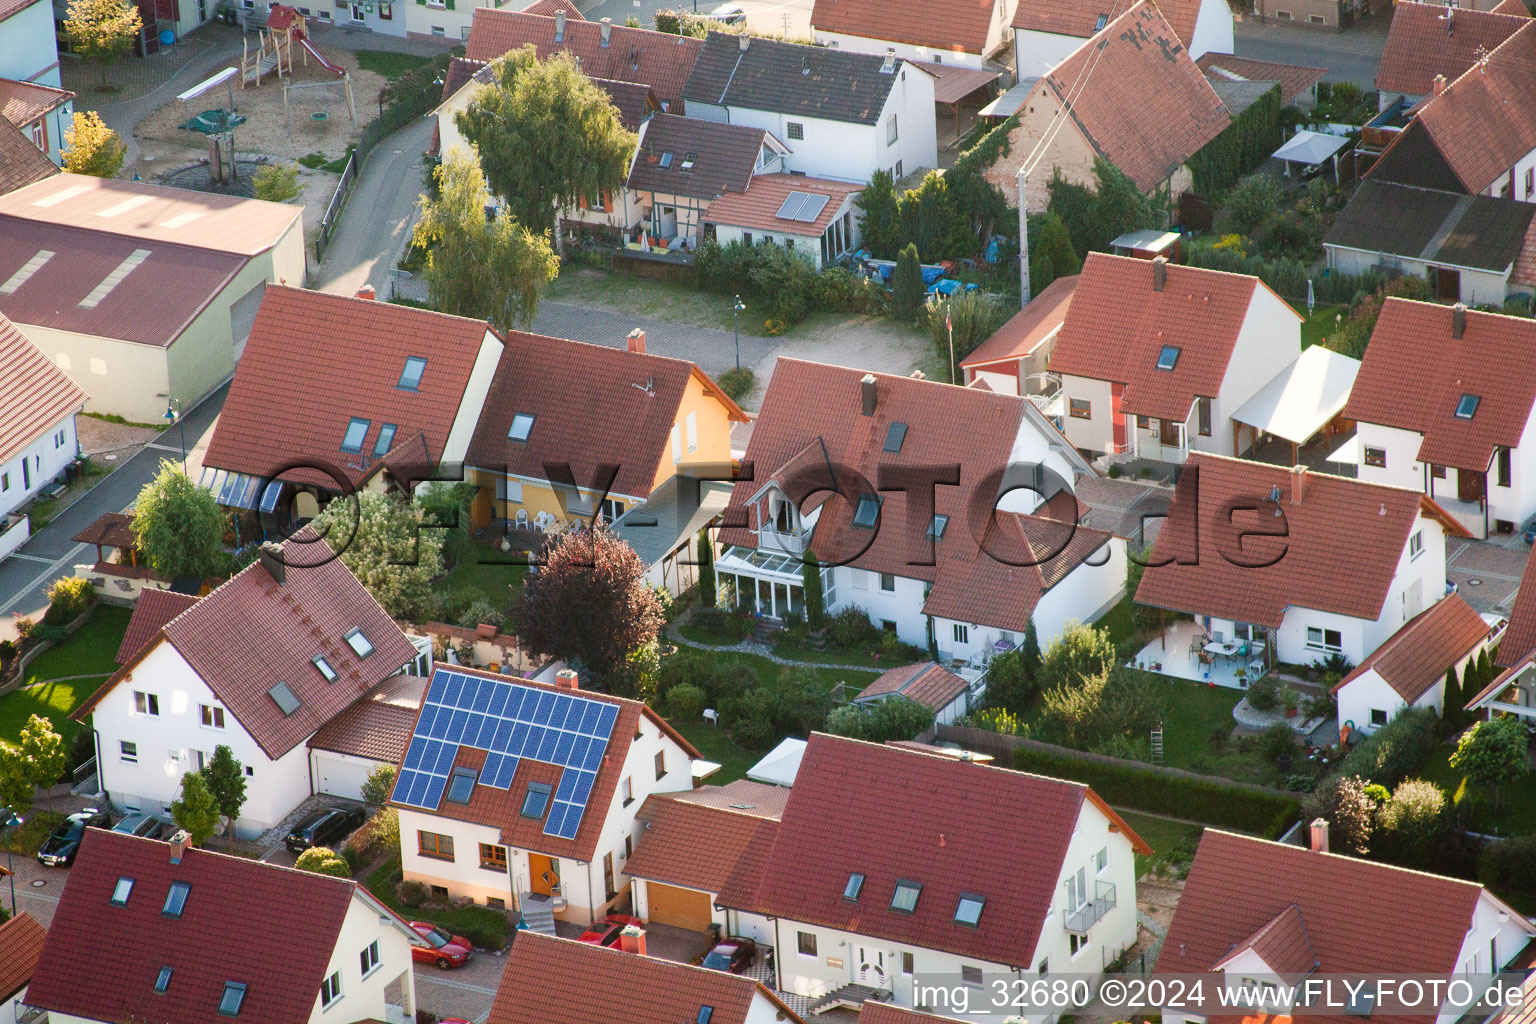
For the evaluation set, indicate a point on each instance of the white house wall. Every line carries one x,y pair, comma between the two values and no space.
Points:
1213,30
45,459
1402,468
363,996
1036,53
1478,287
29,47
435,20
1097,432
1520,191
1116,930
1085,594
470,406
860,588
1267,343
907,51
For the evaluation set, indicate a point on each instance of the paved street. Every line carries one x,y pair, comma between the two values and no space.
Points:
1349,56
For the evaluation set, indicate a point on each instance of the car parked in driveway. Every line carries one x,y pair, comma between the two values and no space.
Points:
606,932
60,848
442,948
325,827
145,826
734,955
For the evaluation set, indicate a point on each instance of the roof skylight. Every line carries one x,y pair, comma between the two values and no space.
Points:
937,527
286,700
968,910
163,981
867,512
233,997
666,159
1168,358
895,437
410,377
386,439
114,279
357,429
854,887
176,899
522,426
121,891
323,666
1466,408
904,899
26,270
462,785
360,644
536,801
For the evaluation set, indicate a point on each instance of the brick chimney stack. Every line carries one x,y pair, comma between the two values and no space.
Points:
560,26
180,843
869,390
636,340
1439,84
1319,835
367,292
271,556
632,939
566,679
1159,272
1458,320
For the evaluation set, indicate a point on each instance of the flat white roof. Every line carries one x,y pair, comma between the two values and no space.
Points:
1303,397
781,764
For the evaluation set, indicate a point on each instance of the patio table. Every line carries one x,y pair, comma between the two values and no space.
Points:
1224,648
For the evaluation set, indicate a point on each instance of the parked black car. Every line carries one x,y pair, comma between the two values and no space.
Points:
59,849
325,827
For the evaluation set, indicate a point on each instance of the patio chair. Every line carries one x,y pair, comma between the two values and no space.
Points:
521,522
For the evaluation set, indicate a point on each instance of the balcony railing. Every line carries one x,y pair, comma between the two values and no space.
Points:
1090,913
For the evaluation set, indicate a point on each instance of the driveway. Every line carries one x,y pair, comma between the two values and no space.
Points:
1486,573
1350,56
466,992
37,888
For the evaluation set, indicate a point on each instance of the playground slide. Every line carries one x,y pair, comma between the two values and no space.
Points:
335,69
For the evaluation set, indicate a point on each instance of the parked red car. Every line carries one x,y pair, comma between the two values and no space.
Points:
443,949
606,931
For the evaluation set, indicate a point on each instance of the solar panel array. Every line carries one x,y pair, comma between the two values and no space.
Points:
509,722
806,206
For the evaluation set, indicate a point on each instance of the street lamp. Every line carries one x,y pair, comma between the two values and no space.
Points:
10,821
173,415
736,325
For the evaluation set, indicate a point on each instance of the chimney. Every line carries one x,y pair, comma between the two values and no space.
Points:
1319,835
636,341
566,679
632,939
1298,483
560,26
890,59
180,842
606,28
744,41
1458,320
1159,272
1439,84
367,292
272,560
869,391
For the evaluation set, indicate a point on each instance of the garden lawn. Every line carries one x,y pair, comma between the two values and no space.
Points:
389,64
1192,712
1519,814
715,744
1316,328
486,572
1168,837
483,926
90,650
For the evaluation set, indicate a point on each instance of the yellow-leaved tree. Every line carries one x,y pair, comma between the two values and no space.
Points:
102,30
90,147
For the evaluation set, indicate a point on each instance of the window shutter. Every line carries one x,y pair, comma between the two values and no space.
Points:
449,4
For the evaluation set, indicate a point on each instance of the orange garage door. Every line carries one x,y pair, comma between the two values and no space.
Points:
681,908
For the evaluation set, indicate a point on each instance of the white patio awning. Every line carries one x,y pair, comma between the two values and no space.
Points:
1304,397
781,764
1306,147
1348,452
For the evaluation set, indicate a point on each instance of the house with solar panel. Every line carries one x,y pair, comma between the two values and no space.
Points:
522,794
263,665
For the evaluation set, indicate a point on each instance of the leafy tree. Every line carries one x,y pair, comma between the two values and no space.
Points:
1079,652
1252,202
379,540
895,718
486,269
44,752
548,137
276,183
102,30
1050,251
1453,700
197,811
18,782
1096,217
446,507
815,597
908,293
378,786
322,860
588,602
1485,672
179,526
931,220
68,598
1350,812
225,779
1411,821
974,318
1011,681
90,147
881,226
1492,754
1088,711
708,598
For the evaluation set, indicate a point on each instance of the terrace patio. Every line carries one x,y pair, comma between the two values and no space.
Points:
1184,650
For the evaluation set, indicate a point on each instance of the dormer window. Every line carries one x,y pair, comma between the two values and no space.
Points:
968,910
323,666
904,899
854,887
1466,408
867,512
360,644
522,426
121,891
410,377
1168,358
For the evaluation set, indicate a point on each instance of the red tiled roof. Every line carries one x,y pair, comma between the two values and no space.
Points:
954,826
379,725
1416,657
111,529
1078,17
11,7
812,413
21,103
1412,352
1294,79
251,633
758,207
561,981
590,408
21,163
889,1013
1146,107
21,944
957,25
1339,554
924,682
1519,638
35,395
1413,922
1524,269
101,960
697,846
151,612
1483,123
743,795
282,411
549,8
501,808
1118,325
1516,7
953,83
1426,40
1026,329
657,59
1282,943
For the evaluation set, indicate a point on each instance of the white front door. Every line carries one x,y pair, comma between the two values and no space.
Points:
869,969
358,13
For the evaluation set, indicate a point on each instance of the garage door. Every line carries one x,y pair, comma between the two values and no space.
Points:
681,908
341,776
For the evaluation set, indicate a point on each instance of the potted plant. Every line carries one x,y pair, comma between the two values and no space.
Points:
1290,699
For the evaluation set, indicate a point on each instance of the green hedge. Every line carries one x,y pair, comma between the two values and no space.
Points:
1145,789
1244,144
1286,276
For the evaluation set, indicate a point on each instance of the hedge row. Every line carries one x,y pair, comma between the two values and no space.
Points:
1286,276
1146,789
